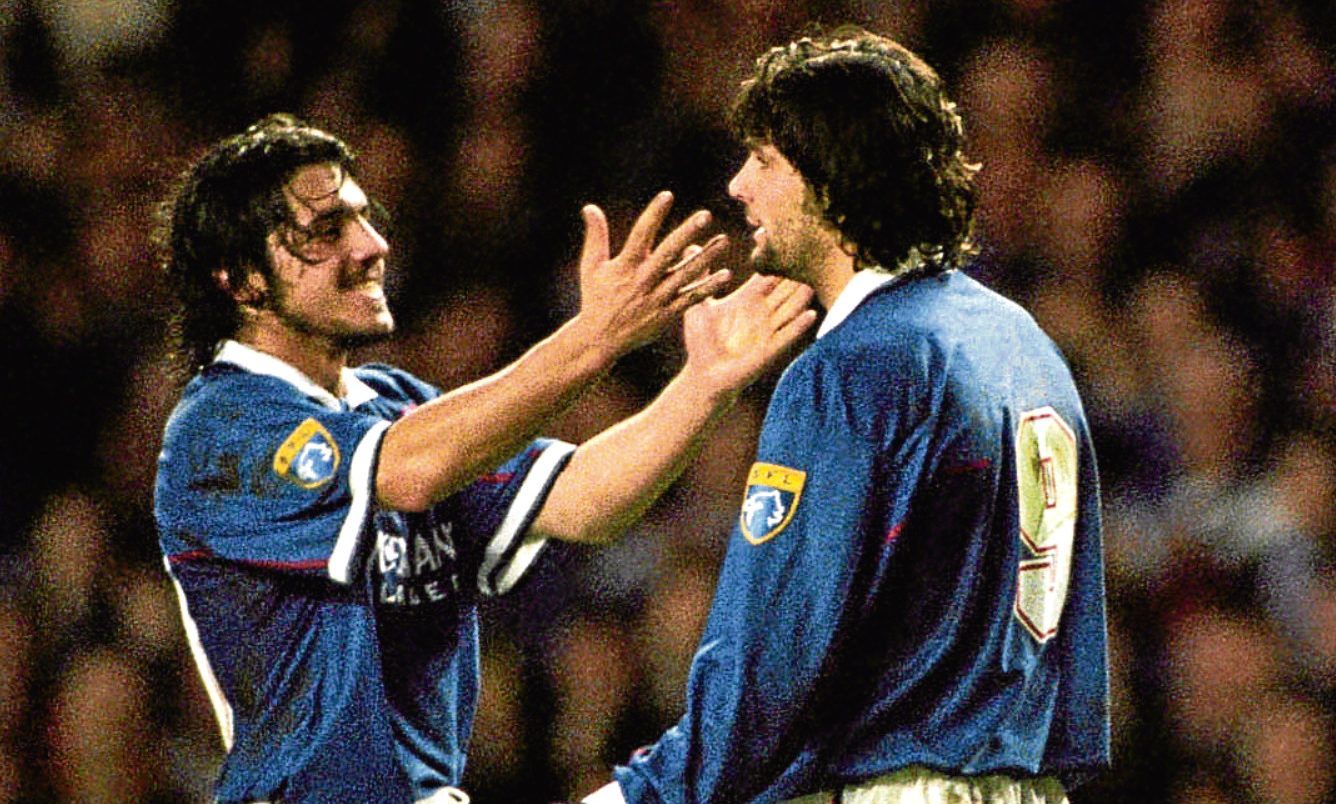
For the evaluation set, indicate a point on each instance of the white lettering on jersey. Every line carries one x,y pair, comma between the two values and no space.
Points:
421,573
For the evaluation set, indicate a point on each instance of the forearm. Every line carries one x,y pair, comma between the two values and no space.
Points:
613,478
447,443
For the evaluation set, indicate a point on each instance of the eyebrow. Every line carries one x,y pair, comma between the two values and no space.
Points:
340,209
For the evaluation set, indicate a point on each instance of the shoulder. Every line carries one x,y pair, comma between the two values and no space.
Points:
891,332
909,337
223,387
945,304
945,313
225,399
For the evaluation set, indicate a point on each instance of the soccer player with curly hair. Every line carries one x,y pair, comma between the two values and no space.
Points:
911,605
331,529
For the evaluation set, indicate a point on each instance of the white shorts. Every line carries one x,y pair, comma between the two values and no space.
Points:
446,795
918,785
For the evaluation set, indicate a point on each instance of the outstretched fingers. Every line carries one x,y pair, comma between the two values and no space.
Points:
647,226
734,338
795,326
791,313
789,298
692,253
784,304
690,276
760,286
679,239
700,290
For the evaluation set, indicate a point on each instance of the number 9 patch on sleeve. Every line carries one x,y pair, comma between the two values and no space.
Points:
770,501
308,457
1047,470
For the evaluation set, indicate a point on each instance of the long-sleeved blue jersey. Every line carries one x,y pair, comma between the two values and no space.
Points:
338,641
916,577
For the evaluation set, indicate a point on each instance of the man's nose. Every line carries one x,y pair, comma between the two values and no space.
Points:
368,241
737,186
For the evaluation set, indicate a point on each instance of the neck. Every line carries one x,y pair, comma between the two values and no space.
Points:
313,356
831,278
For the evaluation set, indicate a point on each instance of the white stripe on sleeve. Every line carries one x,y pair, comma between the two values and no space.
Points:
363,488
529,498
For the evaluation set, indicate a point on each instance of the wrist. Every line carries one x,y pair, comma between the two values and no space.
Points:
583,346
709,389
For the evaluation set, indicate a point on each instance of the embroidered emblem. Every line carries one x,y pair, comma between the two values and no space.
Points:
770,501
309,457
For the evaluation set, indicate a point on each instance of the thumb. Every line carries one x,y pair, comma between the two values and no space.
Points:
595,249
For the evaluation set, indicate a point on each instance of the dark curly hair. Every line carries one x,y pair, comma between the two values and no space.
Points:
866,123
219,215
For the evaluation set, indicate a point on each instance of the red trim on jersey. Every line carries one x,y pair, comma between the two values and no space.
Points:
191,555
203,554
314,563
505,477
971,466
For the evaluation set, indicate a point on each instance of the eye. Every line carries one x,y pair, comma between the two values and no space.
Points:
319,240
327,229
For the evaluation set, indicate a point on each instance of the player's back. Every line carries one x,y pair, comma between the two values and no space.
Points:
986,630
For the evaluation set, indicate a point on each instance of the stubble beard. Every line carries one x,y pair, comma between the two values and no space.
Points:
796,260
341,336
355,340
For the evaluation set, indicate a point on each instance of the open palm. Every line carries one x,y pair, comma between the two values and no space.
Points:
732,340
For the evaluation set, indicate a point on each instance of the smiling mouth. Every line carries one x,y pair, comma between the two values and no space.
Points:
371,288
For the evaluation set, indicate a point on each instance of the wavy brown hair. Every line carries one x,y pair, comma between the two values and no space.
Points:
868,125
219,215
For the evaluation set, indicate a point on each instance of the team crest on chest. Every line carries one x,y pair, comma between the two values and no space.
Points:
771,500
309,457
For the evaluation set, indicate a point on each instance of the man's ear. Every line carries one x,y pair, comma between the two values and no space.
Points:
251,291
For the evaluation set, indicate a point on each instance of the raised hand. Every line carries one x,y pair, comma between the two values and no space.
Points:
731,341
629,299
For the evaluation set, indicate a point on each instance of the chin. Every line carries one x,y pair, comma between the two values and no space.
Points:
369,336
766,260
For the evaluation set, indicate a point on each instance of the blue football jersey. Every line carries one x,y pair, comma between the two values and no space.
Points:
916,575
338,641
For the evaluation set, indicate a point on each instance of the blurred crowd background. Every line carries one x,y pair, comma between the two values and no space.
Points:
1159,188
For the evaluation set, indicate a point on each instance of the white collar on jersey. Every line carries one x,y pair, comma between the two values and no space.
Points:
253,360
860,287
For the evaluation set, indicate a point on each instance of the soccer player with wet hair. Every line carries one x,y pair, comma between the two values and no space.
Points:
911,605
332,528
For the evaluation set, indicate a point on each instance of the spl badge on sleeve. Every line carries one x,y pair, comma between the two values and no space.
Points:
309,457
770,501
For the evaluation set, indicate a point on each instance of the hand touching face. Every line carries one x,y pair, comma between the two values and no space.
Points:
731,341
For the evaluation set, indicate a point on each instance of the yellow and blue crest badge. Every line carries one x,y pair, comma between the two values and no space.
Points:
771,500
309,457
